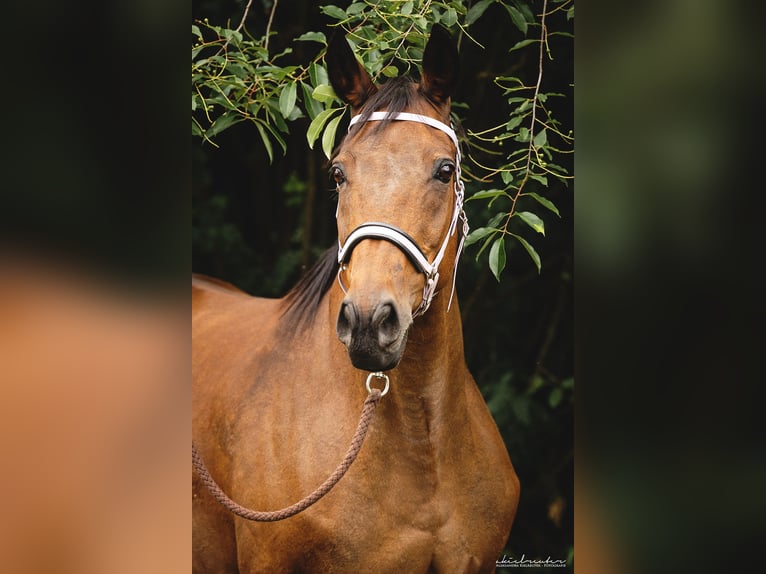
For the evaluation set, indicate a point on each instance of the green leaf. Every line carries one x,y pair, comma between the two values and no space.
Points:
541,138
523,44
223,122
526,11
555,397
328,137
232,35
544,202
334,12
287,99
525,105
487,194
476,11
556,168
535,384
484,245
518,19
478,234
539,178
196,32
513,123
294,115
313,107
570,13
324,93
390,71
273,115
450,17
532,220
316,125
406,8
318,75
531,250
275,134
312,37
497,257
237,70
356,8
266,141
496,219
506,176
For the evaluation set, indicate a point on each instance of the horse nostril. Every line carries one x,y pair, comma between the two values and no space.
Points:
385,320
347,321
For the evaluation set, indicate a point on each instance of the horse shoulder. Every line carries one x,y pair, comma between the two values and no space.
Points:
230,330
501,484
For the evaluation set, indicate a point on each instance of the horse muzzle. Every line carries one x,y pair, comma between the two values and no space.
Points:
375,338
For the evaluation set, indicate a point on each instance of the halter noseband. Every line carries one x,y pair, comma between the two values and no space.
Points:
378,230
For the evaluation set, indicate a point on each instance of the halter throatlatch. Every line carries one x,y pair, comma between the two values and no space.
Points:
385,231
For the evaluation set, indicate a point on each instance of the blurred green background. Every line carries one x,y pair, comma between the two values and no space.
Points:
669,289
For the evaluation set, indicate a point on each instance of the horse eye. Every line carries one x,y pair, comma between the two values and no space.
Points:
445,172
337,175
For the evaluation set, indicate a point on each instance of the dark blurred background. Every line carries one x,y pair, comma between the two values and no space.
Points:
669,290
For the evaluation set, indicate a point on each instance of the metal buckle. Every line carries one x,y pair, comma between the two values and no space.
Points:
377,375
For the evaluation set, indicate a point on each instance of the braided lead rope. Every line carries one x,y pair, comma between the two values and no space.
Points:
370,404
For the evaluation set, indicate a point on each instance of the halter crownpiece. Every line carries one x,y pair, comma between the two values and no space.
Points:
378,230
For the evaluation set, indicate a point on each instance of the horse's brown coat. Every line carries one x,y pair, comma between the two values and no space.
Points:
433,489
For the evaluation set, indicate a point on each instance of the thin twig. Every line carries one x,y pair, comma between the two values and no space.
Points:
241,23
244,16
527,169
268,26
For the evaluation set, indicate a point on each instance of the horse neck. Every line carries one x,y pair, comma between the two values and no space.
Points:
434,352
429,380
427,387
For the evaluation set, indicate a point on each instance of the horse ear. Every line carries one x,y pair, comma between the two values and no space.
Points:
349,79
440,67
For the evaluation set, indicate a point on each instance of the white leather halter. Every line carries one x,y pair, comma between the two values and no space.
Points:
379,230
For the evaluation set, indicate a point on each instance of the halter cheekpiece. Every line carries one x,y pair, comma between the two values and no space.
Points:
387,232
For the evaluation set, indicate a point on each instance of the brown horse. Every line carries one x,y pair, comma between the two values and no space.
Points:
279,384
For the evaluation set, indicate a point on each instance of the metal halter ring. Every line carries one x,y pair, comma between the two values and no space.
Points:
377,375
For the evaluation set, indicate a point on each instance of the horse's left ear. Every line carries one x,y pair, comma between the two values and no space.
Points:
349,79
440,67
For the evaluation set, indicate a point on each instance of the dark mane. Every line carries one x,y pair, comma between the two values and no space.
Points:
396,95
302,301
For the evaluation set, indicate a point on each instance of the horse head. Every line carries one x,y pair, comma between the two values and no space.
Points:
399,199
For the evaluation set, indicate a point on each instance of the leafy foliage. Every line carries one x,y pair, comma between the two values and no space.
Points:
234,78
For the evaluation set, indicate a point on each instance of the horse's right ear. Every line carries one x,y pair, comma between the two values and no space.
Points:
349,79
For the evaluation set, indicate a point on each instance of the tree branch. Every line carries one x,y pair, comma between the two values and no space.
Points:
268,26
527,169
241,24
